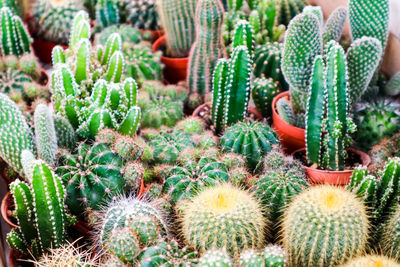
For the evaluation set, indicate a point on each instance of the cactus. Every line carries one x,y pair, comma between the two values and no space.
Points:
334,25
285,111
231,19
263,92
328,95
231,88
177,19
161,112
320,218
380,153
15,134
14,81
133,174
92,176
191,125
52,21
129,34
46,139
12,5
15,39
255,138
107,13
390,241
64,132
267,60
288,9
215,258
39,209
392,88
243,36
250,258
223,217
123,245
168,145
376,120
274,256
167,253
207,47
143,15
371,261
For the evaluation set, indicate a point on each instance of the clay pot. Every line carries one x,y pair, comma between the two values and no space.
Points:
43,49
14,256
175,69
317,176
7,205
291,138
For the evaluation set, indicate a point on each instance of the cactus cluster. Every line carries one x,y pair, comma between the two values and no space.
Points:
143,14
288,9
385,149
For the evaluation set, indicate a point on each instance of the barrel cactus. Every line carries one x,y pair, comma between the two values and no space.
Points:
263,92
320,218
390,241
271,256
223,217
163,111
214,258
107,13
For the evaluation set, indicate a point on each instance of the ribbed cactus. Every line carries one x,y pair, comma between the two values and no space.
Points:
390,241
124,245
161,112
128,33
177,18
231,89
250,258
287,9
143,14
385,149
52,20
285,111
107,13
207,47
327,110
252,140
243,36
215,258
191,125
334,25
320,219
65,132
223,217
39,209
371,261
92,176
15,134
263,92
271,256
12,5
15,39
13,81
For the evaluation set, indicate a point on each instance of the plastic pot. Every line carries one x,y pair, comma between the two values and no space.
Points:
318,176
175,69
291,138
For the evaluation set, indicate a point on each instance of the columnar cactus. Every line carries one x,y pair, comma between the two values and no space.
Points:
243,36
263,92
207,47
334,25
39,209
390,241
143,14
107,13
371,261
287,9
65,132
327,110
252,140
15,39
392,88
318,220
214,258
223,217
53,20
231,88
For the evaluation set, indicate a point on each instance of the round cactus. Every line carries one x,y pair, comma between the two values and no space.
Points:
92,176
143,15
162,112
191,125
215,258
252,140
318,220
127,148
29,64
274,256
371,261
223,217
390,241
124,245
205,140
250,258
263,91
133,174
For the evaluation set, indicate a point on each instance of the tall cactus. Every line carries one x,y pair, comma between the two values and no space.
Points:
177,19
15,39
39,209
107,13
287,9
207,47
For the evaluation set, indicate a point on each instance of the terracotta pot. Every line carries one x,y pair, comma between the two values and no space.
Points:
291,137
317,176
7,205
14,256
175,69
42,49
155,34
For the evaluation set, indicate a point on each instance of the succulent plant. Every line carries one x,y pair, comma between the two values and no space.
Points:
65,133
143,15
392,88
15,40
191,125
263,92
371,261
288,9
12,5
92,176
215,258
163,111
385,149
177,19
52,20
107,13
390,240
250,258
39,209
274,256
129,34
258,142
320,218
207,47
223,217
124,245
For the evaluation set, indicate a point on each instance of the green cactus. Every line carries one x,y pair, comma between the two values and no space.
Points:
168,145
231,88
15,134
177,19
13,5
256,140
92,176
288,9
127,148
231,18
250,258
334,25
191,125
65,132
223,217
15,39
143,15
14,81
133,174
274,256
320,218
207,47
285,111
123,245
53,20
376,120
215,258
39,209
327,110
46,139
392,88
167,253
107,13
161,112
128,34
263,92
390,241
363,185
243,36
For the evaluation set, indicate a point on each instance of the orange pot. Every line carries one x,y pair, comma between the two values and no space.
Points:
292,138
6,206
43,49
175,69
342,178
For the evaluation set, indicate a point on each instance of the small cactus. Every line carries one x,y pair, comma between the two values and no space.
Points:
65,132
215,258
390,241
143,14
107,13
392,88
288,9
160,112
263,92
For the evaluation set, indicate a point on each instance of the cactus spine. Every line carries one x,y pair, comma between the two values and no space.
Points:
371,261
177,19
263,92
207,47
107,13
214,258
390,241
